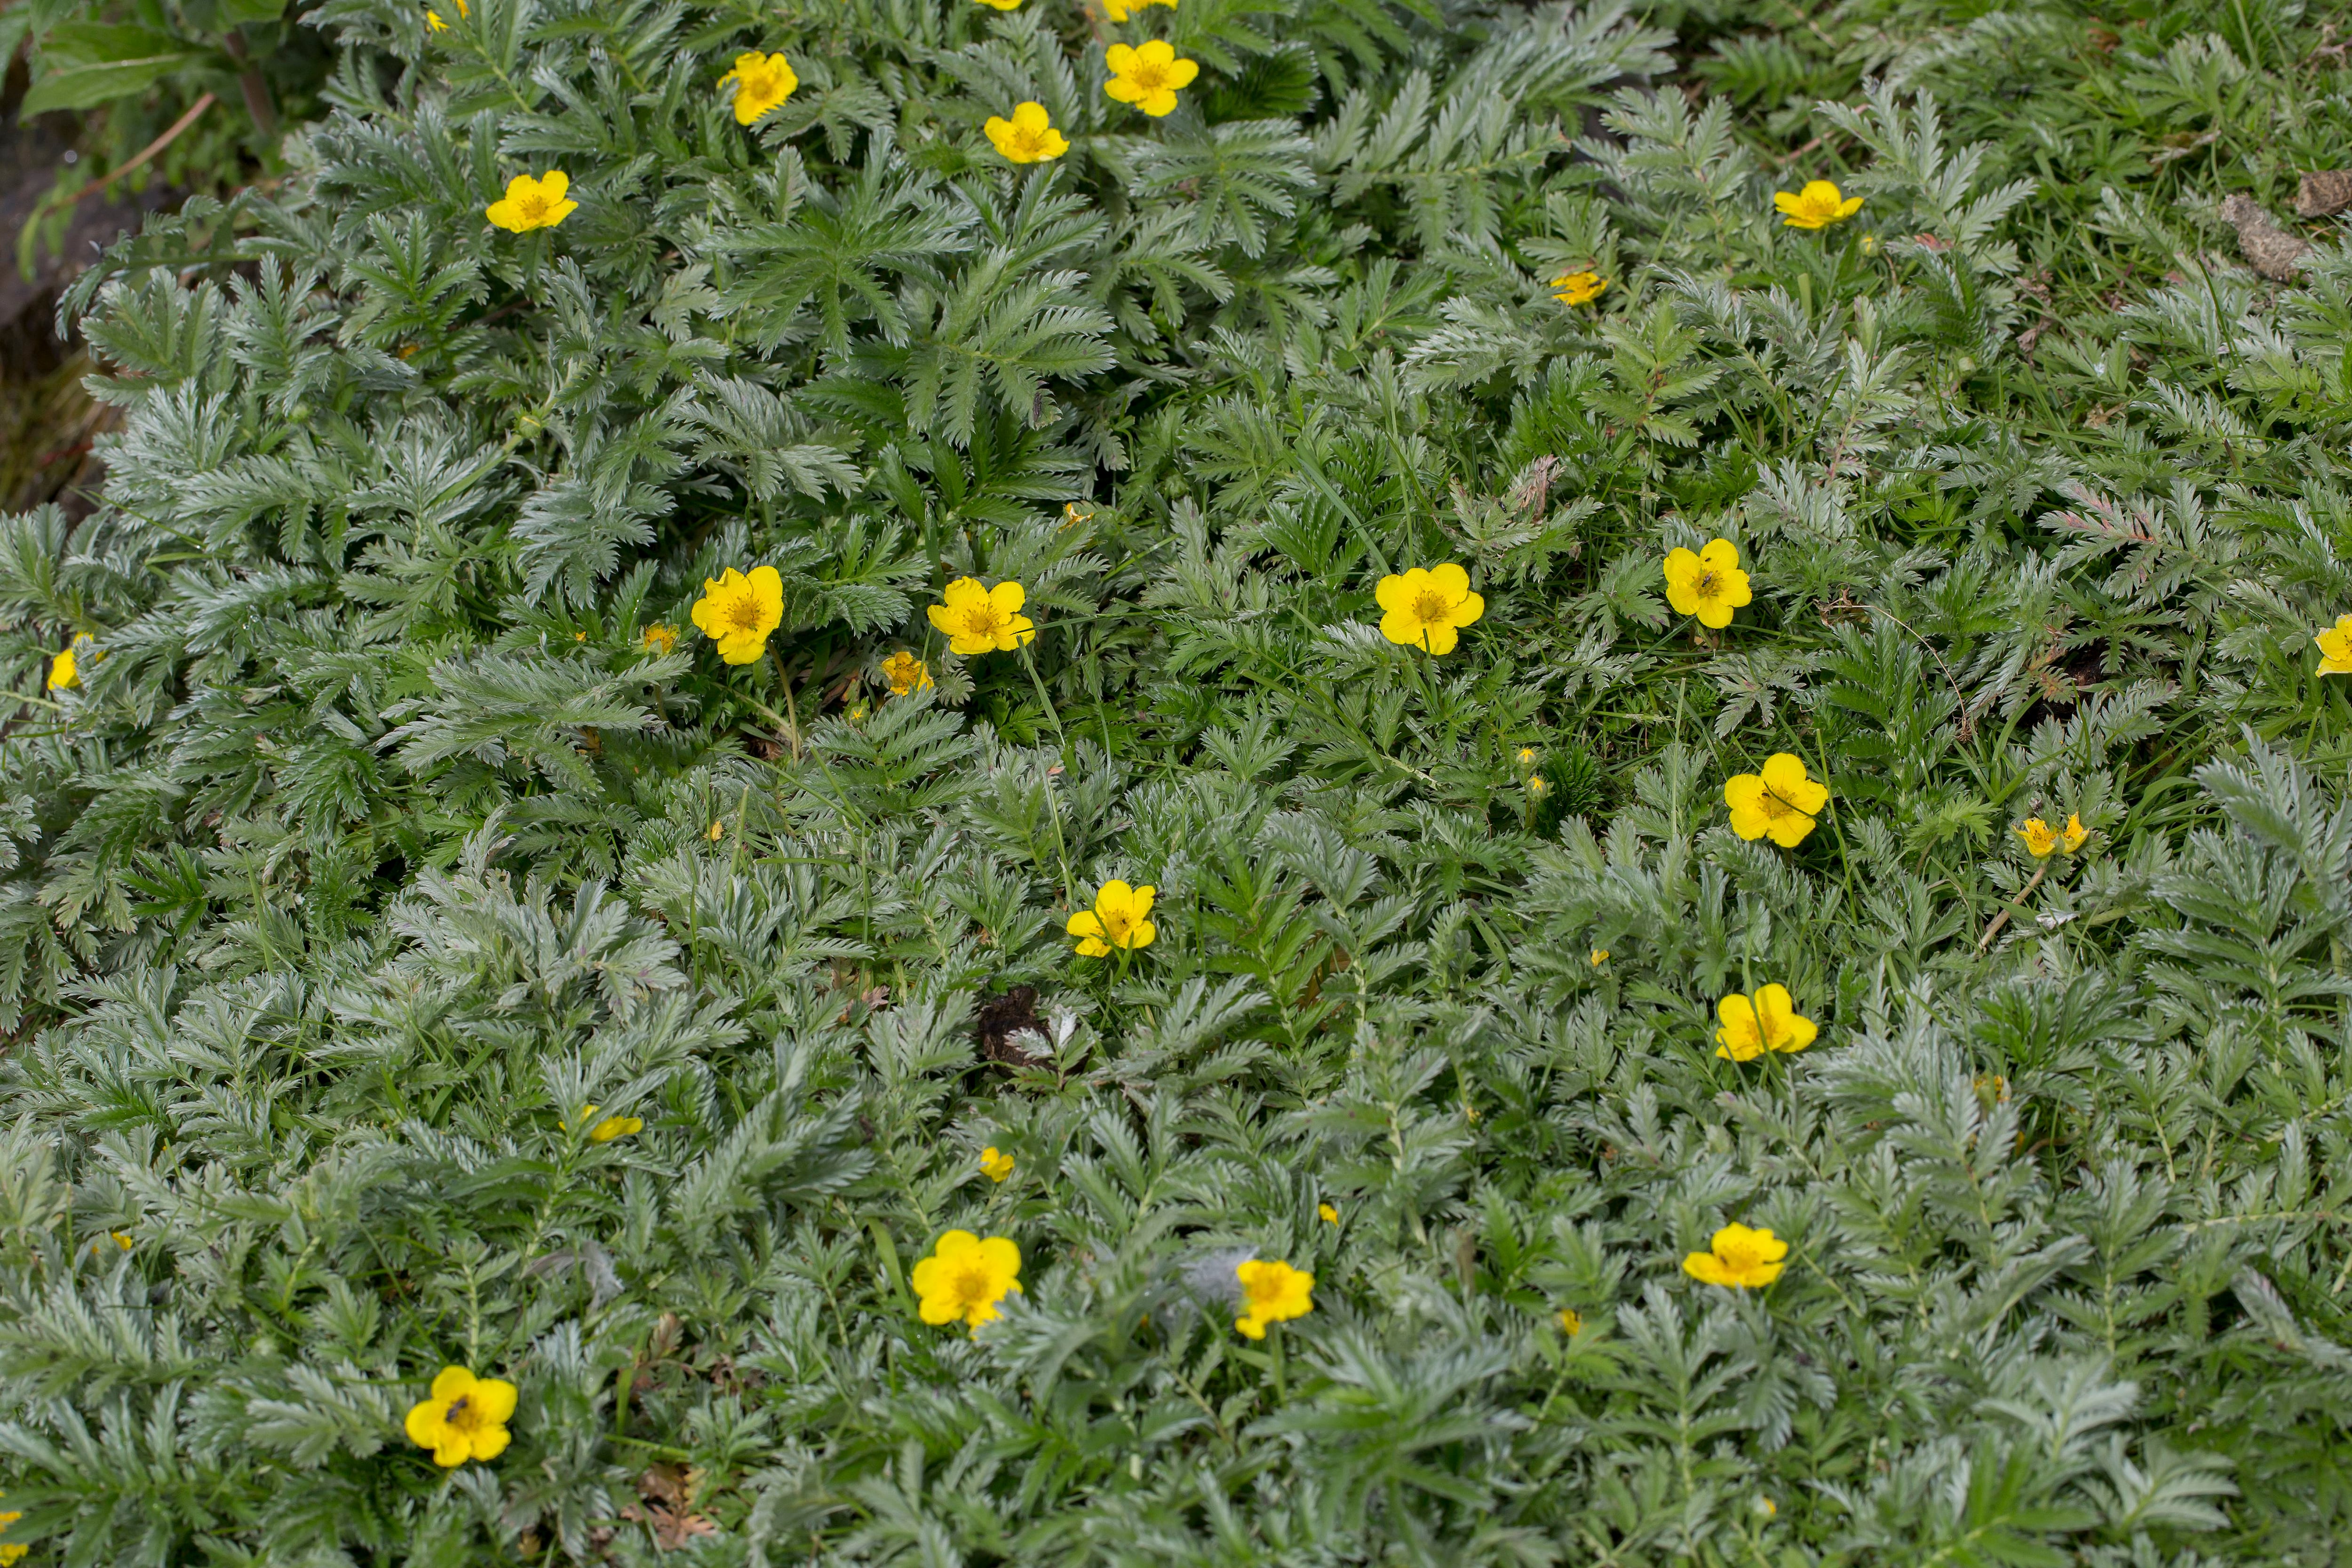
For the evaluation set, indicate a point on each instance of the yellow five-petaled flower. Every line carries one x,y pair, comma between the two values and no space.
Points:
1739,1258
1426,608
1149,78
465,1417
1771,1022
612,1127
762,82
994,1164
983,620
738,612
2335,648
2042,839
531,204
1818,205
1579,288
1781,801
659,639
1709,584
1120,919
65,670
1272,1293
965,1278
905,673
1028,137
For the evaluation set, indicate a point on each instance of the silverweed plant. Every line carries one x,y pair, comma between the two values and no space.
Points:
1227,781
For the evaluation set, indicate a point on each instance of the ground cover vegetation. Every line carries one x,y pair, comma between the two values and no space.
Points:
1239,782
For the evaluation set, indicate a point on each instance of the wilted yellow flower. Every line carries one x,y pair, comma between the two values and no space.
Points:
2071,836
1426,608
2335,648
1579,288
1771,1022
464,1418
1120,10
1740,1259
905,673
1709,584
1028,137
659,639
531,204
2040,840
121,1238
983,620
1121,918
1148,77
762,82
1818,205
1327,1214
718,830
612,1127
966,1277
1272,1293
66,668
994,1164
1600,956
738,612
1571,1322
432,20
1781,801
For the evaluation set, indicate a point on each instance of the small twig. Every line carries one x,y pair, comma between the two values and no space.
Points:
151,148
2001,919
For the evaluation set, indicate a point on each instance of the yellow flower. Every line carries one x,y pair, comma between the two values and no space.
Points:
1071,515
466,1418
1120,10
717,831
1121,918
1870,245
905,673
121,1239
1535,785
1571,1322
1818,205
433,19
1709,584
531,204
738,612
1426,608
66,668
1579,288
1028,137
1781,801
612,1127
1002,5
1740,1259
2070,837
1600,956
994,1164
1148,77
2335,648
10,1553
762,82
983,620
1272,1293
1527,756
1327,1214
659,639
2041,839
1769,1024
966,1278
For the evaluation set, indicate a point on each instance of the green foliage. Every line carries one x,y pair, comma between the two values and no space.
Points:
384,831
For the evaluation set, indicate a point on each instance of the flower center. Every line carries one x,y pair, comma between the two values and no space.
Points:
972,1285
741,614
1147,75
1431,605
461,1414
1707,584
1773,806
1117,925
980,620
